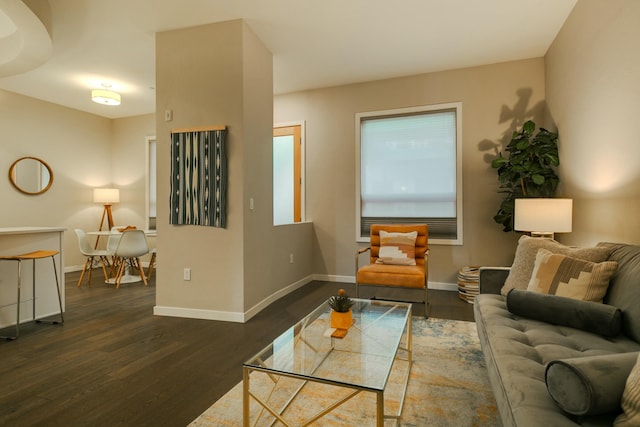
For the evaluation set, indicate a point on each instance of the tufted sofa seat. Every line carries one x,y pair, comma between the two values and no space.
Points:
517,349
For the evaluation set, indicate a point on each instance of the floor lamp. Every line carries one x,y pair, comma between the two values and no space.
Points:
106,196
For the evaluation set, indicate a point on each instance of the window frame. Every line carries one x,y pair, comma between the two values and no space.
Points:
359,117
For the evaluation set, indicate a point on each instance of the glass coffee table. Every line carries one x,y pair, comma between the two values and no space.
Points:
362,361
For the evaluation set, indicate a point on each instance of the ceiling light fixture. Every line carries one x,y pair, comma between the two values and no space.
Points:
105,96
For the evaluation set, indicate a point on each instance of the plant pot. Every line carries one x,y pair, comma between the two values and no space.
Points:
341,320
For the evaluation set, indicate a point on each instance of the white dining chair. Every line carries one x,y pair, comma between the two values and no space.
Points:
131,246
91,253
114,237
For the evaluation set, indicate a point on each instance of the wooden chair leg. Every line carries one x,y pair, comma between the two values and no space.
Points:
104,260
152,263
144,278
87,263
120,271
90,271
113,266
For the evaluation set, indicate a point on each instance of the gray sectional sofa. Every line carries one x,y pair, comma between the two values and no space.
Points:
526,337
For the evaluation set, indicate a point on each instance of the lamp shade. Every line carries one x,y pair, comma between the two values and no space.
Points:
539,215
106,196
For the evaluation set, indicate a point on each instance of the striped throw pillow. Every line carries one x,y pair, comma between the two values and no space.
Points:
561,275
397,248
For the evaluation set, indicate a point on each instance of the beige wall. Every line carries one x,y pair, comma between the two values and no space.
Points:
84,151
129,170
129,167
76,145
593,92
220,74
495,98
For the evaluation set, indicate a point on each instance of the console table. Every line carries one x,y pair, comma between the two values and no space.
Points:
16,240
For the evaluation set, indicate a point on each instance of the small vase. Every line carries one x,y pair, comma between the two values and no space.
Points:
341,320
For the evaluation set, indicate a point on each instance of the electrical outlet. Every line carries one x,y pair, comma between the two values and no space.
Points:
291,258
187,274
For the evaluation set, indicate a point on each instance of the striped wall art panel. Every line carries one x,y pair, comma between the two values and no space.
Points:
199,178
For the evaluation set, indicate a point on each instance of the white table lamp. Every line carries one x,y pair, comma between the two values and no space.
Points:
543,217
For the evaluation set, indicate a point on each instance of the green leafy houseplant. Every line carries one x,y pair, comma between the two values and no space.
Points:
340,303
528,171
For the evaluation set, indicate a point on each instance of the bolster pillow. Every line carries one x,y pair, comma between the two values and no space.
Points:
601,319
589,385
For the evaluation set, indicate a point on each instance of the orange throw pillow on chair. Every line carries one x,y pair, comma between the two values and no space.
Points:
397,248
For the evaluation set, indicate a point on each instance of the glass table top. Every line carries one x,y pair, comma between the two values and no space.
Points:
363,358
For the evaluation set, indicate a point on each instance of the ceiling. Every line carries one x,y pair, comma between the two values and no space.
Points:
315,43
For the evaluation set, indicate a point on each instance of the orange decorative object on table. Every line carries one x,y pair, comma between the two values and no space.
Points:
341,315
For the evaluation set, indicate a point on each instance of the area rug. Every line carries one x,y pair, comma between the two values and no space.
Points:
448,386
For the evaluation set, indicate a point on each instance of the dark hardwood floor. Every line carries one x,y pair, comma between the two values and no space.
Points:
113,363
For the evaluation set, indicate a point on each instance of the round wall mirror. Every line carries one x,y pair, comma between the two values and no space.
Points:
31,175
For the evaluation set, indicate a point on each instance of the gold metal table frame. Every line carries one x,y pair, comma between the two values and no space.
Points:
378,332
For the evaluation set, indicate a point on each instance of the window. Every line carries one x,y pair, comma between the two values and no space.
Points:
288,194
409,169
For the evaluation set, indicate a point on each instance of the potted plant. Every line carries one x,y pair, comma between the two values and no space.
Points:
528,171
341,315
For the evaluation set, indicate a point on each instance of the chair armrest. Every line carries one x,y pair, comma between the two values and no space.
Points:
358,252
492,279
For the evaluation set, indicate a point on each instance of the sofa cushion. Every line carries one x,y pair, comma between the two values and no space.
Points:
525,258
516,351
630,399
589,316
397,248
624,289
562,275
589,385
407,276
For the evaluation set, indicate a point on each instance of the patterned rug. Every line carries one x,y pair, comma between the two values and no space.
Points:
448,386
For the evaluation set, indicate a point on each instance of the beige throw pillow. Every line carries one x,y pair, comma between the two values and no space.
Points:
564,276
397,248
525,257
630,401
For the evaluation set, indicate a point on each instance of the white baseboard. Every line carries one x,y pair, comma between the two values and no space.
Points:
73,268
276,296
441,286
230,316
194,313
334,278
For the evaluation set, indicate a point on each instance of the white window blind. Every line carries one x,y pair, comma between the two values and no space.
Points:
409,170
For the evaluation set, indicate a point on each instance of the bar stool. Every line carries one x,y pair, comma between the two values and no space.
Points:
33,256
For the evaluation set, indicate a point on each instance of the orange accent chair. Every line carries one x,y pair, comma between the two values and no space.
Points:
390,275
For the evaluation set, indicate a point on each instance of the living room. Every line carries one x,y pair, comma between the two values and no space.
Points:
585,74
585,86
